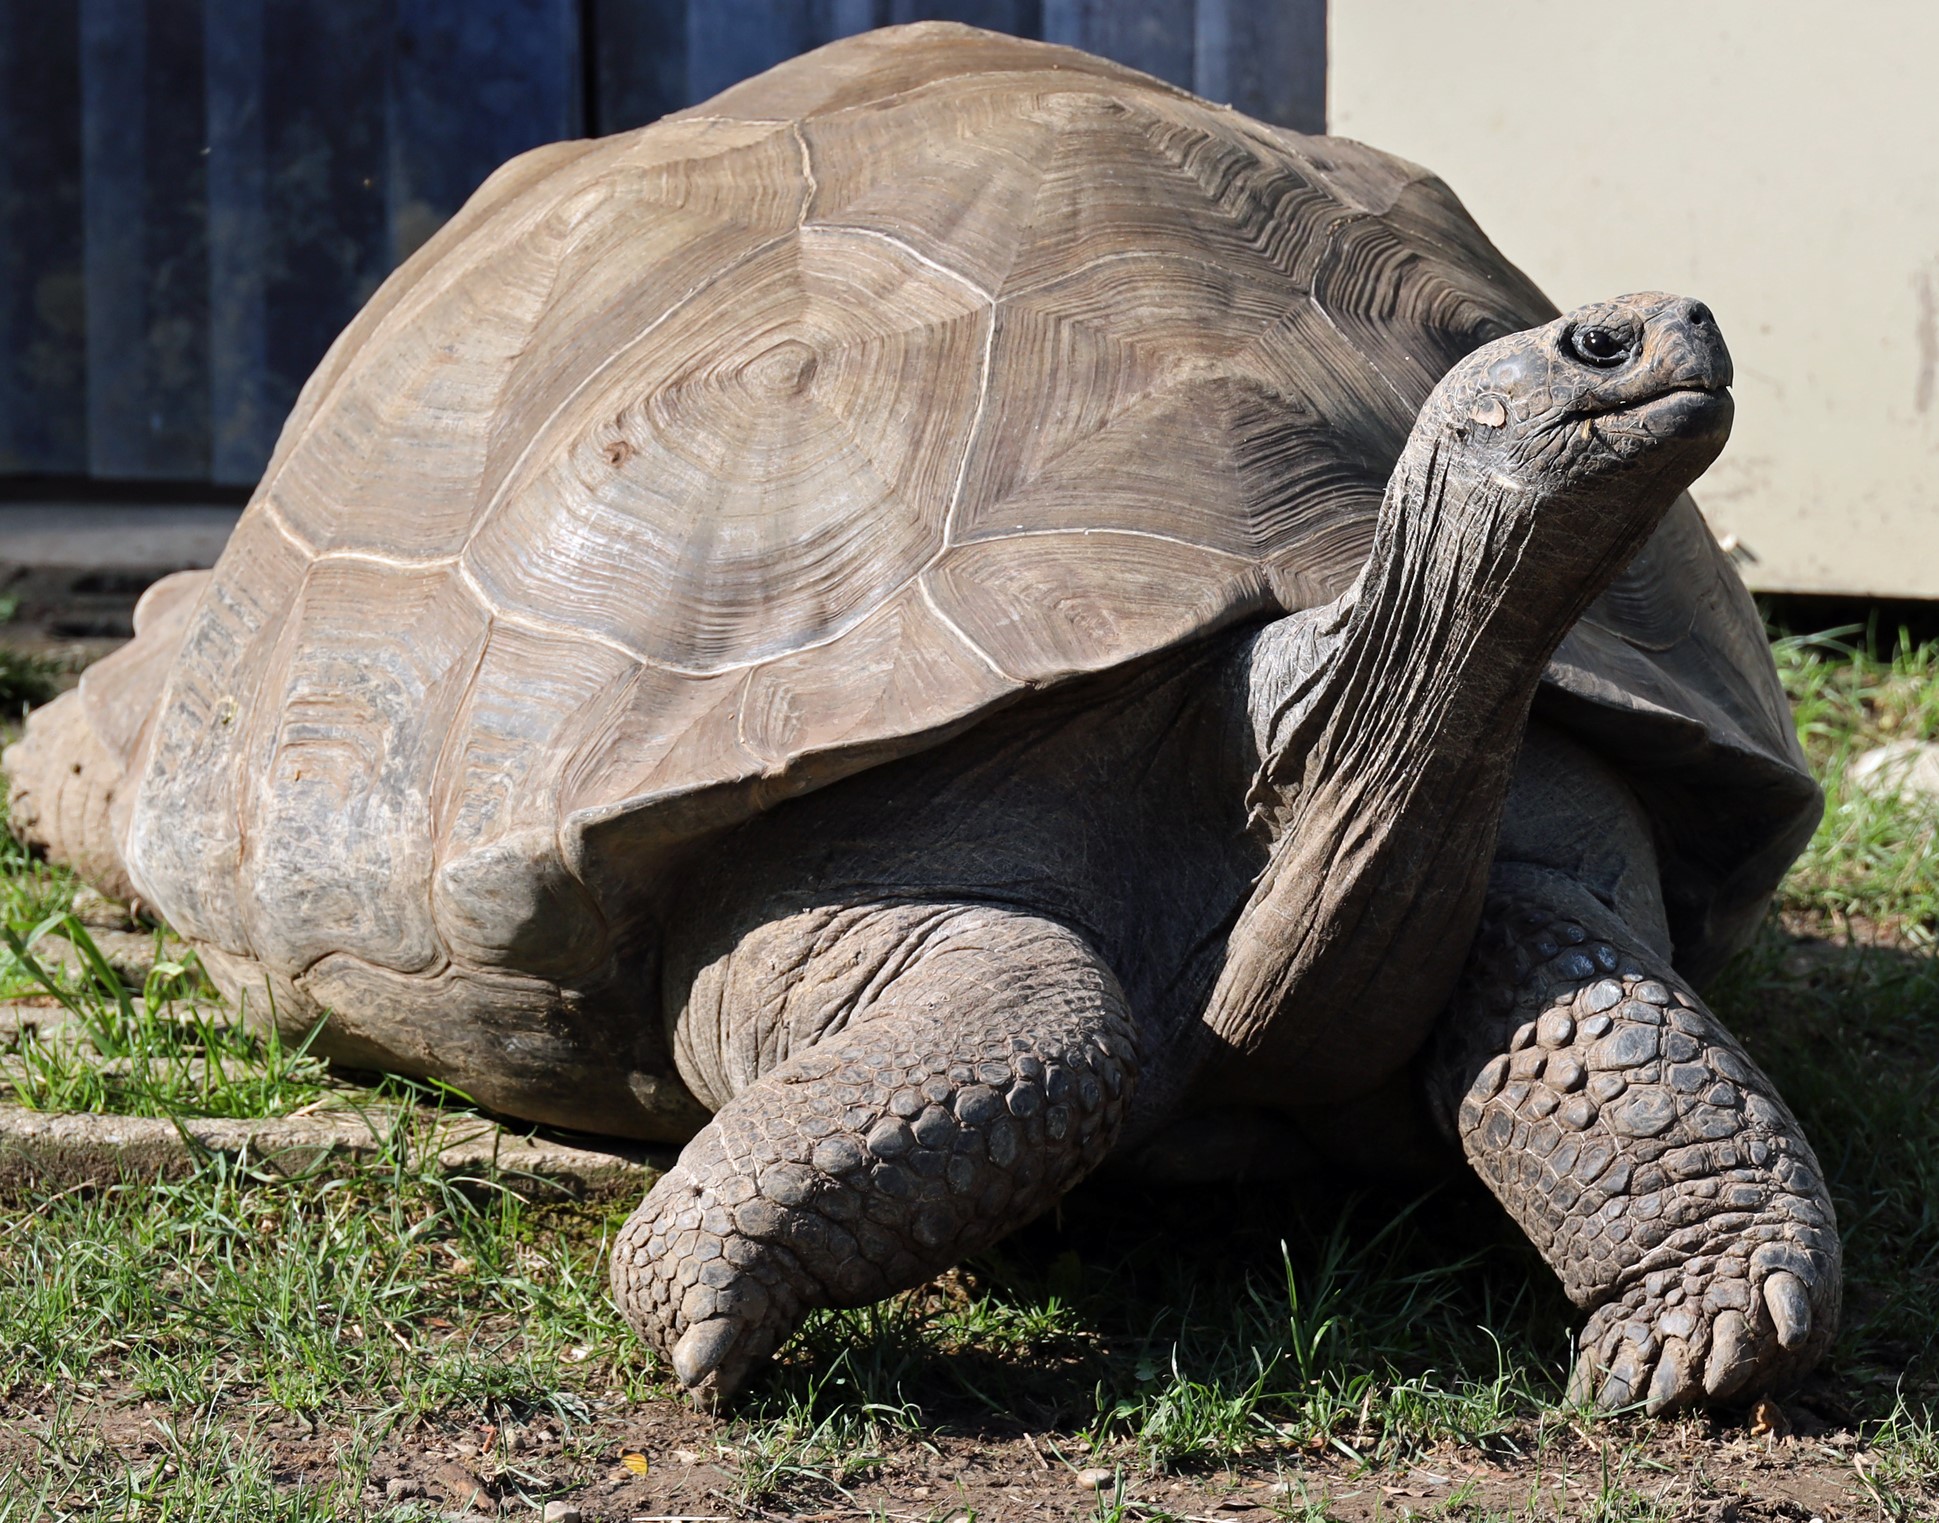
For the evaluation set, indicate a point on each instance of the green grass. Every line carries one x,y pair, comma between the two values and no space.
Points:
372,1303
1356,1334
212,1474
1168,1335
170,1050
1872,856
302,1296
31,892
25,678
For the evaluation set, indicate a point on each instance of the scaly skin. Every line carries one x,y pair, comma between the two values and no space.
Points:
1645,1155
976,1086
63,783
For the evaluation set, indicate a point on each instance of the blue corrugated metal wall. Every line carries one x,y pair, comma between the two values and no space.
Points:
195,195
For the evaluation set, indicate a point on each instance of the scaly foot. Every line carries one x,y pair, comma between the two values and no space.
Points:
1644,1153
987,1076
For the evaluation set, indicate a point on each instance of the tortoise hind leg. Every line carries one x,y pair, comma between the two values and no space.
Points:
965,1065
61,786
65,774
1642,1151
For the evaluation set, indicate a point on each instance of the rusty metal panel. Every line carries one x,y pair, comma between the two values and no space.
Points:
43,307
196,195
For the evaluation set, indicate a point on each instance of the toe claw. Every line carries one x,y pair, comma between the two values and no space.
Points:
1670,1386
1730,1363
1790,1307
703,1349
1582,1380
1619,1388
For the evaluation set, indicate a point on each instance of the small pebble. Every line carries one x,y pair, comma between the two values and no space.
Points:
1904,767
563,1512
465,1489
1097,1479
397,1488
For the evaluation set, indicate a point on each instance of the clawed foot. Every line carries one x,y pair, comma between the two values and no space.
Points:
712,1296
1648,1158
1709,1331
882,1154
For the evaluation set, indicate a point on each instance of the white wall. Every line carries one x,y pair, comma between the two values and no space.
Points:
1778,159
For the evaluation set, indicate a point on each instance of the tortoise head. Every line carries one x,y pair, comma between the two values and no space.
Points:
1634,388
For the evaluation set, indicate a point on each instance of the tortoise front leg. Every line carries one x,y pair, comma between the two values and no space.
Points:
980,1063
1647,1157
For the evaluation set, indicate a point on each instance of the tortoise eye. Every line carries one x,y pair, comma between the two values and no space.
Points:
1602,347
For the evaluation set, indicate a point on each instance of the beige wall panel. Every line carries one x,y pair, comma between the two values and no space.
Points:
1778,159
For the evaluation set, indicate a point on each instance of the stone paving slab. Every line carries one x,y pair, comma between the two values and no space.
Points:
43,1153
41,1014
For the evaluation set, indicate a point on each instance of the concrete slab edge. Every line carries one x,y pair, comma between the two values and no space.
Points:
43,1153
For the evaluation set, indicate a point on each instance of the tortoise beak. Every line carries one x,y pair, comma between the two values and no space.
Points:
1682,346
1685,360
1694,414
1674,382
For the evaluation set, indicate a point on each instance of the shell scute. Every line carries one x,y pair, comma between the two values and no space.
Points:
1418,286
1041,605
909,672
344,740
512,738
412,420
184,839
786,451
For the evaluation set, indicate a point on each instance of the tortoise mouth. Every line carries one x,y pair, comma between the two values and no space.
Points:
1681,389
1692,401
1692,410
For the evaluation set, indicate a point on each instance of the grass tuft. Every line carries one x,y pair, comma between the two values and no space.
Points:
1872,857
170,1050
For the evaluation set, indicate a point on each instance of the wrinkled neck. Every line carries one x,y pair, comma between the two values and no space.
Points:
1387,759
1472,581
1457,613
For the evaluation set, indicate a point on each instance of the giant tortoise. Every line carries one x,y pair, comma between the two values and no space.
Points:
956,612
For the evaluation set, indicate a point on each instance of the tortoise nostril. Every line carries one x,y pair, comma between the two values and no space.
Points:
1699,315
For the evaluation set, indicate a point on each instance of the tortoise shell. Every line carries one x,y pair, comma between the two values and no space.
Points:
690,469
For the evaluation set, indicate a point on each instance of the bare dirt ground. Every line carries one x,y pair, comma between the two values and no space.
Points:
661,1461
